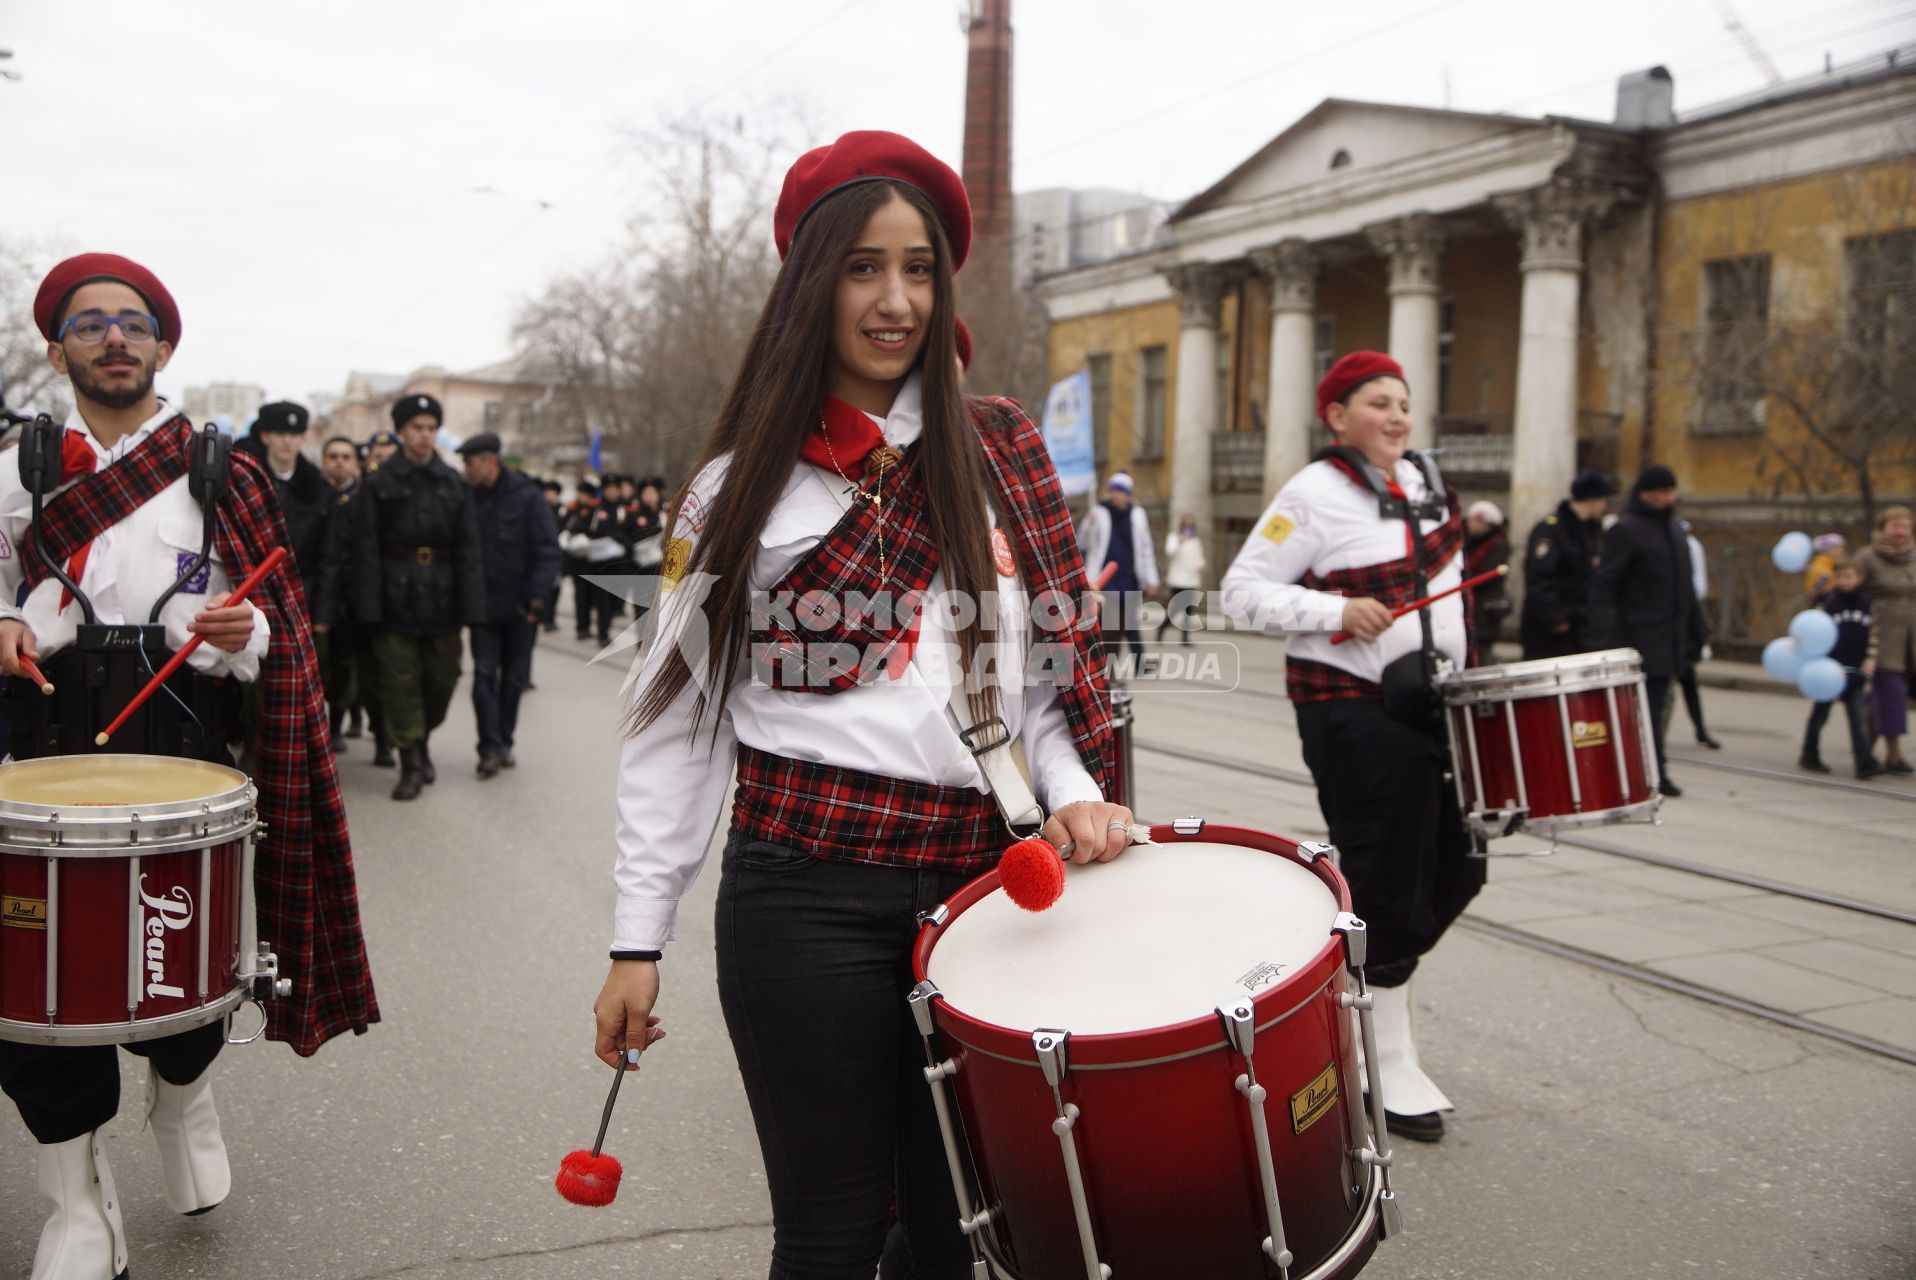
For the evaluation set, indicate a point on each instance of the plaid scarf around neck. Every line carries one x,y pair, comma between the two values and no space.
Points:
307,902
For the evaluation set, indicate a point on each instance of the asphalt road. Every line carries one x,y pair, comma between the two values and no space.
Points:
1603,1128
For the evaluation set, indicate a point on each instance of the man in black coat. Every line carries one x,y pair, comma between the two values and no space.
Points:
519,545
418,577
1644,595
1558,564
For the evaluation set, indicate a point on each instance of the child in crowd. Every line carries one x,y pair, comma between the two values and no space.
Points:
1819,577
1846,603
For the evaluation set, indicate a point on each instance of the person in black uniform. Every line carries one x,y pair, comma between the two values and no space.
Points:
305,499
554,494
1557,566
519,545
417,579
572,541
1644,596
605,551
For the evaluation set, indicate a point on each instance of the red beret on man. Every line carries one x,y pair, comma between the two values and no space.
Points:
64,280
872,155
1353,371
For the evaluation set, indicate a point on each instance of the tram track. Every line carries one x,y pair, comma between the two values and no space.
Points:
1883,792
1608,964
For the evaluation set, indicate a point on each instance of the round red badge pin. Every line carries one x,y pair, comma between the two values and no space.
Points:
1001,557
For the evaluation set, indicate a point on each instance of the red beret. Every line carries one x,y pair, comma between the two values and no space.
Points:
964,343
1354,370
871,155
85,268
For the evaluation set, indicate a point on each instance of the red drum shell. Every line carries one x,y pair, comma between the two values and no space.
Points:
1163,1135
1611,752
124,921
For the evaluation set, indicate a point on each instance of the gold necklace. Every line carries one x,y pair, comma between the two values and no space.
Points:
875,464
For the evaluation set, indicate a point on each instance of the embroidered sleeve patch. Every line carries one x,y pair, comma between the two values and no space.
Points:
678,554
1278,527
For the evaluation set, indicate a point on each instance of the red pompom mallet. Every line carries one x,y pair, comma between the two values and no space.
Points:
1032,873
589,1177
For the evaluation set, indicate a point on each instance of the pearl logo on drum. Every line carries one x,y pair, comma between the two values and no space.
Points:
172,912
1261,977
1589,733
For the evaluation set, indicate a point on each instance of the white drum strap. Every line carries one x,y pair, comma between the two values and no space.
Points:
992,746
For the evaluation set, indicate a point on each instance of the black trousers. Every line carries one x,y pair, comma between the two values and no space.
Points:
501,670
1384,790
1855,691
1120,620
814,963
65,1091
1657,689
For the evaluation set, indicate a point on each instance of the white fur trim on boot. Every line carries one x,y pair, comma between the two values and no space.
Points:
192,1155
1407,1090
83,1239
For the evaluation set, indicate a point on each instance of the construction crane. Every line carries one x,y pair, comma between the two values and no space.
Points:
1734,25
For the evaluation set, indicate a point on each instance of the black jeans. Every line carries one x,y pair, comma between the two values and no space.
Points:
1657,689
501,670
1855,691
64,1091
814,963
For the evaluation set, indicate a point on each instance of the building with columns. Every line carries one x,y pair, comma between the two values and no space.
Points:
1553,287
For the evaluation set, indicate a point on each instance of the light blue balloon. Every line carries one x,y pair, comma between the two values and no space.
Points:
1782,659
1822,679
1792,552
1814,632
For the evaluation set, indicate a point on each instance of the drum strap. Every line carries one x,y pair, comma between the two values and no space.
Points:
1002,759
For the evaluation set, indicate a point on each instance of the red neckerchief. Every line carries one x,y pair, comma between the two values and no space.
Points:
840,439
77,459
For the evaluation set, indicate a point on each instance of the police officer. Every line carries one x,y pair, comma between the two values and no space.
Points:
343,659
305,499
1557,568
417,578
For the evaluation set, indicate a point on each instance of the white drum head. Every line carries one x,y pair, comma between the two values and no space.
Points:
1159,936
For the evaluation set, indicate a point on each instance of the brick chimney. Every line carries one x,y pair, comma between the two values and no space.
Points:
987,164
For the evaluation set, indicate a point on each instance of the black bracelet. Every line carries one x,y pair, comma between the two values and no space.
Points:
638,955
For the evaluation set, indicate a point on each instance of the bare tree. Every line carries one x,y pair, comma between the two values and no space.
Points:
28,380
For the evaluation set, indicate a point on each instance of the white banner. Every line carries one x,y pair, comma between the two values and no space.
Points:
1068,434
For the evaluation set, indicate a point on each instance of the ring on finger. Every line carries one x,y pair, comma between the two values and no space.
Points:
1117,824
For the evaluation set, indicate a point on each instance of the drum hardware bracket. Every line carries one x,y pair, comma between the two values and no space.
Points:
1356,940
937,1071
1312,850
936,918
1240,1028
1048,1043
1187,826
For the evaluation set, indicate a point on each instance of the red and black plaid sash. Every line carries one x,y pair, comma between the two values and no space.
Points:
825,589
1390,583
308,904
847,814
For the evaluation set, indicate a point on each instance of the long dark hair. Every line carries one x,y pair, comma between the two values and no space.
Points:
776,398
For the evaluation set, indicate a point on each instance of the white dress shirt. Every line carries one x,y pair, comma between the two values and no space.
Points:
129,567
1322,521
671,787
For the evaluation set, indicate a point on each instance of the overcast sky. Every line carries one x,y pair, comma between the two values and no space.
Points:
306,176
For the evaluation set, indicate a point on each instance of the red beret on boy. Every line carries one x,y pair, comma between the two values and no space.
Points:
64,280
871,155
964,343
1352,371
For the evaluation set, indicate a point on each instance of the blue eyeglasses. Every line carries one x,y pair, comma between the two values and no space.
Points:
91,326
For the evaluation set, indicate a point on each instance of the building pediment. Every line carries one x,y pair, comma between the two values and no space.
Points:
1340,138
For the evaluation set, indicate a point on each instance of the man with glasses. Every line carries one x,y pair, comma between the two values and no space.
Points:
417,579
126,530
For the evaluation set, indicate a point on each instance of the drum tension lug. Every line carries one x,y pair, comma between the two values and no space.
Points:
1187,826
1393,1216
1048,1043
1356,938
920,1001
1312,850
936,917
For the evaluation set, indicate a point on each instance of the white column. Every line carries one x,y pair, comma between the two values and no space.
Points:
1412,245
1200,294
1543,455
1291,266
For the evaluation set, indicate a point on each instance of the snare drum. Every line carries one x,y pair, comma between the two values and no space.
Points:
126,898
1553,743
1158,1075
1124,770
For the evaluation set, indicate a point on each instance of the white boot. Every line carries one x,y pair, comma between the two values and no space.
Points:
1407,1090
192,1156
83,1240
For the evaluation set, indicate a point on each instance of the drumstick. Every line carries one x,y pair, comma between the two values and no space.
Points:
1428,601
253,579
1105,575
32,673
